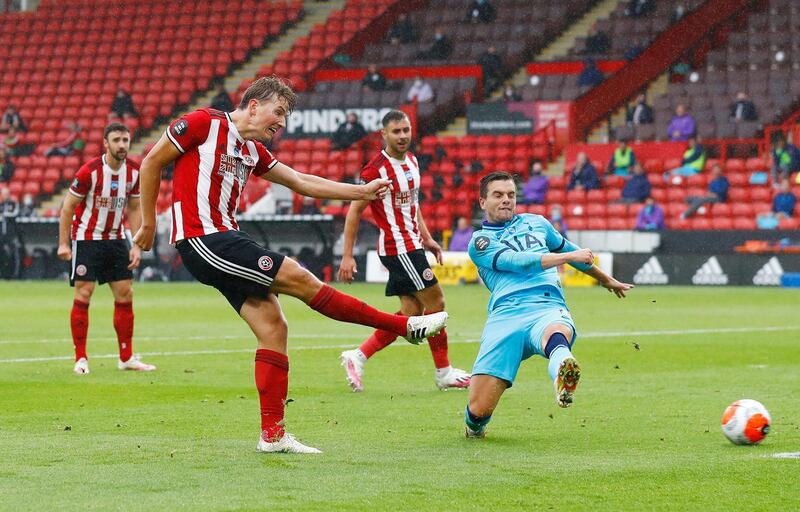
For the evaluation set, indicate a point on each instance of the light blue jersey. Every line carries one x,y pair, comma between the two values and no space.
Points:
525,298
509,258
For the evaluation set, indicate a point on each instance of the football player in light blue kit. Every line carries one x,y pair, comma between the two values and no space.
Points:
517,256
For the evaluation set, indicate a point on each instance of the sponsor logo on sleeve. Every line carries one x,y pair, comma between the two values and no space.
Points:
75,183
180,127
482,243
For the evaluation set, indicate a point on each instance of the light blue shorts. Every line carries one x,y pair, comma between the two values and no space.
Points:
513,333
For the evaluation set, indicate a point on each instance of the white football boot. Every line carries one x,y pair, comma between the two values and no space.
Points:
474,434
454,378
569,373
81,366
353,363
286,444
135,364
420,327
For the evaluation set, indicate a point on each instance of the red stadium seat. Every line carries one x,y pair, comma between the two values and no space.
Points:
722,223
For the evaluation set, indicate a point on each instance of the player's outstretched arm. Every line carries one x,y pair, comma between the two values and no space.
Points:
347,269
71,202
162,154
314,186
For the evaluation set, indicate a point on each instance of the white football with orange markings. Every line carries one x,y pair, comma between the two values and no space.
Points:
746,422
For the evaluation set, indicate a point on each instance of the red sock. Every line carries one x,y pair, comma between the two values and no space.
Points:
378,341
272,382
79,324
335,304
438,345
123,324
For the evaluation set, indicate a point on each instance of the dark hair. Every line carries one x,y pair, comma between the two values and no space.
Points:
392,116
115,127
265,88
493,176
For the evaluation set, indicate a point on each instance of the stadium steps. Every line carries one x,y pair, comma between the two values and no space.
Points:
555,50
314,13
601,133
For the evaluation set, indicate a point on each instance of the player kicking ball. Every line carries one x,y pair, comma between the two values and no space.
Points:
401,247
215,153
517,256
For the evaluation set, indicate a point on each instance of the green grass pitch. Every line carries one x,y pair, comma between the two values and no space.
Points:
658,370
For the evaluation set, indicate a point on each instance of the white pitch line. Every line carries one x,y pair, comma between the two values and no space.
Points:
722,330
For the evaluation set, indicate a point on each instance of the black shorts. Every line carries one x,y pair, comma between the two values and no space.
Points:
408,273
104,261
233,263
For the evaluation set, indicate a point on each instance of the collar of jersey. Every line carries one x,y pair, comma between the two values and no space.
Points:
390,157
232,127
498,225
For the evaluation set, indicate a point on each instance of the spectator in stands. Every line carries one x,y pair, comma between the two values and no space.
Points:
677,13
461,235
639,8
637,188
785,159
28,207
481,11
309,206
682,126
420,91
222,100
402,32
584,175
717,192
510,94
10,141
591,74
743,109
651,217
349,132
557,220
784,201
440,49
492,66
374,79
122,105
597,42
9,210
634,50
71,143
640,112
6,166
693,162
622,160
535,189
12,119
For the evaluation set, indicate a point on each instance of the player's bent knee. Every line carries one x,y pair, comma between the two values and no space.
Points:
294,280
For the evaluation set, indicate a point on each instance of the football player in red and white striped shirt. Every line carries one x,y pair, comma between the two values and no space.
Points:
92,218
401,247
215,153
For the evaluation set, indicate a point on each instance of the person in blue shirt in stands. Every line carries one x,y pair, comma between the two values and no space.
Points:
784,201
517,256
717,192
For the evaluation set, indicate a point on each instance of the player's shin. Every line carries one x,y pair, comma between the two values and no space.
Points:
378,341
339,306
272,382
556,350
123,325
79,325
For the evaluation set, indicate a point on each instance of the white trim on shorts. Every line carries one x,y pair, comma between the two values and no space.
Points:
227,266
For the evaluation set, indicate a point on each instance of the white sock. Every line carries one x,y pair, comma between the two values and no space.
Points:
361,356
441,372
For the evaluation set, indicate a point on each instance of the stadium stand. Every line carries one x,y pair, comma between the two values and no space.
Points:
56,67
749,62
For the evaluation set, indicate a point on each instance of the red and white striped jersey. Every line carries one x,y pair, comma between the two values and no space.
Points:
211,172
105,193
396,213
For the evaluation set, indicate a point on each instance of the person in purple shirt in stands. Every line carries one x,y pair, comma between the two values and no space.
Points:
682,126
535,189
651,217
461,236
